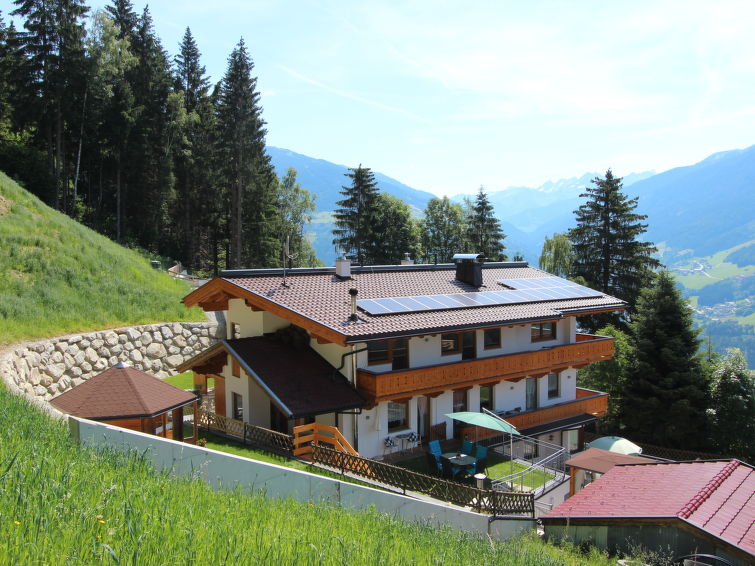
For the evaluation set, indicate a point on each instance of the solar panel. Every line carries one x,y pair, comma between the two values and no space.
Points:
519,291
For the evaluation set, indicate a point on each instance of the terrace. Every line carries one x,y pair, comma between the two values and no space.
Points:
398,384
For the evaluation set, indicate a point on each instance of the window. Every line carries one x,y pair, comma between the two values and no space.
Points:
450,343
492,338
543,331
486,397
238,406
553,385
455,342
394,352
397,413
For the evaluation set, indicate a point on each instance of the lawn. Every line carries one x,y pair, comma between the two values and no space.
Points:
64,504
58,277
498,467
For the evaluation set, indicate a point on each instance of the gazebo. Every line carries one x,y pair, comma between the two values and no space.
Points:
130,398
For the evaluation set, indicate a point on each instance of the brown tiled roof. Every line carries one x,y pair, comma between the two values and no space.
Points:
320,296
299,381
597,460
122,392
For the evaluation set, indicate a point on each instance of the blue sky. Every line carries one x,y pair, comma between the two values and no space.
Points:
448,96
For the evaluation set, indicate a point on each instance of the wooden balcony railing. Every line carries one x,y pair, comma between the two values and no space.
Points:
434,379
307,436
588,402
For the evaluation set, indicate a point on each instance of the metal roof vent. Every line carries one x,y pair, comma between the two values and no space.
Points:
121,365
469,268
343,268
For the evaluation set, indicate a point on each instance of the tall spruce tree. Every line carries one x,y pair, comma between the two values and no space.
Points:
51,81
355,218
667,395
193,155
443,230
733,406
484,234
607,251
248,176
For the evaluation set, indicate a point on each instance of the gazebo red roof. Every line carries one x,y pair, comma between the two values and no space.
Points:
122,392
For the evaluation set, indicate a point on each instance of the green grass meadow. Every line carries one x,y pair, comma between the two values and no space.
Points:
64,504
57,277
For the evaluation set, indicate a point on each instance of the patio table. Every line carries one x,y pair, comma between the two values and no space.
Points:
459,460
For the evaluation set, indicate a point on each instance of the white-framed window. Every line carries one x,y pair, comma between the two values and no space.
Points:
397,415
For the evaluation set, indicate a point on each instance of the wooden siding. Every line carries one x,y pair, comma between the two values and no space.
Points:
426,380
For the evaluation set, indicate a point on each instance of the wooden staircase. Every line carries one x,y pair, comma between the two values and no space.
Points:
308,435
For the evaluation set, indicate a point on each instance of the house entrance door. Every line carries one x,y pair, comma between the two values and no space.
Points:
423,416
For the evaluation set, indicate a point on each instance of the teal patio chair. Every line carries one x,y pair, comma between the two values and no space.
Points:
467,447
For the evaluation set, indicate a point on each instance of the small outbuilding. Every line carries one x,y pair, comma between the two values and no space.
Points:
130,398
688,507
587,466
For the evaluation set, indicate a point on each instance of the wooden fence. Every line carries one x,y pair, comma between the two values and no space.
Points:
246,433
492,502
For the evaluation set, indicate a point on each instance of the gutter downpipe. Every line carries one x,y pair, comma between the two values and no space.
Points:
354,351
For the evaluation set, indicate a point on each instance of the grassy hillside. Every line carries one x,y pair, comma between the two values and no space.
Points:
63,504
56,276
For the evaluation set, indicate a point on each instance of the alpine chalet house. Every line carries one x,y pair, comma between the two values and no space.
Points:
382,352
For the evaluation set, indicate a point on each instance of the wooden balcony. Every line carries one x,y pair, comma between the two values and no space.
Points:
587,402
429,380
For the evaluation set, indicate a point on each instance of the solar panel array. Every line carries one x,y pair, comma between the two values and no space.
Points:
521,291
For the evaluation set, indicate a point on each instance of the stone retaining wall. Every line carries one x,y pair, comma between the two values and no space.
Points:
46,368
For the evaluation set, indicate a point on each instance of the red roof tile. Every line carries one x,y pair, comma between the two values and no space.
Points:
122,392
717,497
324,298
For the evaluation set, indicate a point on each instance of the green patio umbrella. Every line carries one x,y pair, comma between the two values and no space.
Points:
488,421
615,444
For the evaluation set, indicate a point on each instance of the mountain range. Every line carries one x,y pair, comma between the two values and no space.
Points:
692,211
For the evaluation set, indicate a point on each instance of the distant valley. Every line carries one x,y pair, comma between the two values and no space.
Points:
700,216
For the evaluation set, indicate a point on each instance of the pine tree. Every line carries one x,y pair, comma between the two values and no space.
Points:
557,255
733,406
248,176
150,178
607,252
355,218
193,155
443,230
484,234
666,397
51,81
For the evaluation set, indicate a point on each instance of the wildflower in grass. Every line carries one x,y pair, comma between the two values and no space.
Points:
16,522
101,521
